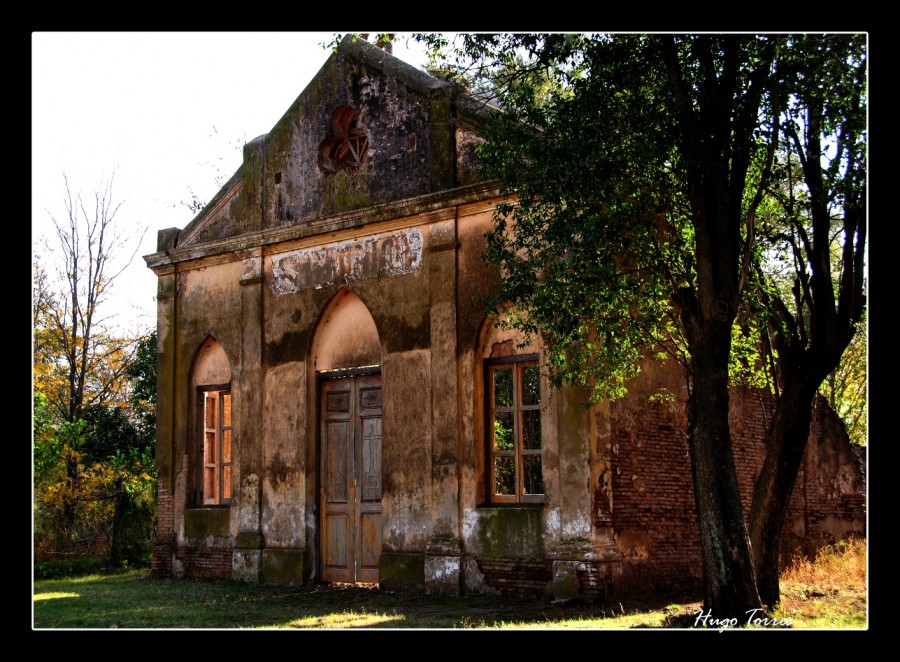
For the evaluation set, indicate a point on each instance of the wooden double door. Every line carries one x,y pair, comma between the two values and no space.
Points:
351,482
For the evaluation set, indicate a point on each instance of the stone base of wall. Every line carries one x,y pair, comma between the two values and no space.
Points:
585,581
401,571
246,565
283,567
442,574
518,578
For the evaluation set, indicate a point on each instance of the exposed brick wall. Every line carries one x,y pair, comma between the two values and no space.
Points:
205,561
196,560
654,514
520,578
165,513
833,487
595,582
164,544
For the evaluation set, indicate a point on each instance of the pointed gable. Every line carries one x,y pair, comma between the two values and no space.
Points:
368,131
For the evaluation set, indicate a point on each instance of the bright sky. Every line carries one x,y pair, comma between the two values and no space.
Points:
169,111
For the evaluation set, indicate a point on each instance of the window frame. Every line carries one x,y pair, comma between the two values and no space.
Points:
224,441
517,363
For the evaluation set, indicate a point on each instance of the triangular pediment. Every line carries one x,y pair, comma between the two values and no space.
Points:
368,132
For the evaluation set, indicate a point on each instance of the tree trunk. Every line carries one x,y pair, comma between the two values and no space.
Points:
786,441
729,578
115,553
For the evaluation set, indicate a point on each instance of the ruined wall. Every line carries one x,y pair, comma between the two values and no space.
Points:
652,509
386,274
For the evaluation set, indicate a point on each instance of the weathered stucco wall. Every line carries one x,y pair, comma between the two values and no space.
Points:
412,136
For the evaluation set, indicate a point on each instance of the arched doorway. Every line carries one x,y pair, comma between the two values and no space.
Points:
347,364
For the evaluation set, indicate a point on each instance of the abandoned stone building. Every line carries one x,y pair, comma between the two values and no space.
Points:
335,407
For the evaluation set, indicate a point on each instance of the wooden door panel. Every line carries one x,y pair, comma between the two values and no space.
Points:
337,432
351,479
369,546
337,563
370,461
370,477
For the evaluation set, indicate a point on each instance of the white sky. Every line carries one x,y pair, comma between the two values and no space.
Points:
169,111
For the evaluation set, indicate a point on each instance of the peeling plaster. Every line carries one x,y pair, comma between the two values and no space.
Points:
576,528
345,262
441,568
469,524
414,524
553,522
251,268
249,512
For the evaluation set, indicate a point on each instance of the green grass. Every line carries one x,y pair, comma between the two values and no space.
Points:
826,593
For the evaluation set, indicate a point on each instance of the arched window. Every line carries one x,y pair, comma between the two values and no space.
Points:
511,388
513,430
211,407
215,478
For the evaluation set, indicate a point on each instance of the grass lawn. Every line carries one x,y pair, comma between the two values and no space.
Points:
828,592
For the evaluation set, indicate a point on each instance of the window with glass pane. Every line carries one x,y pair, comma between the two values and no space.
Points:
215,485
514,430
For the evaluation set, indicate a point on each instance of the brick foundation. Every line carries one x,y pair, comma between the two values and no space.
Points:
519,578
161,562
205,562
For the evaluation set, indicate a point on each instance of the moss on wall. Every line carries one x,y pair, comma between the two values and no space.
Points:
345,191
511,532
203,522
401,571
283,566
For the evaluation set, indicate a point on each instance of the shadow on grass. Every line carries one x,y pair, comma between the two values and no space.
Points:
134,600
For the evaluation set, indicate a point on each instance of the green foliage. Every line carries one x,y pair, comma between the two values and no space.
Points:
70,566
93,424
94,480
810,274
846,388
599,249
599,245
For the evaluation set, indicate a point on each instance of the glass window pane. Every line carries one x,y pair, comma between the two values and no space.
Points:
226,410
504,475
534,484
531,429
209,485
226,486
531,385
209,448
503,387
211,421
503,431
226,446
